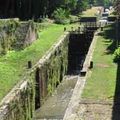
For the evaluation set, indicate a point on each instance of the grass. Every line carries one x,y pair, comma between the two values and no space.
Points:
102,78
13,65
90,12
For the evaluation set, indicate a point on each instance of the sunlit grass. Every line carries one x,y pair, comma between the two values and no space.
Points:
102,78
13,65
90,12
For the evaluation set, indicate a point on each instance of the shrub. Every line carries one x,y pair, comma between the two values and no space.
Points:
73,19
117,55
61,16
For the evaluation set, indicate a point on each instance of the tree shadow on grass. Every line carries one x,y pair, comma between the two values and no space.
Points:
109,34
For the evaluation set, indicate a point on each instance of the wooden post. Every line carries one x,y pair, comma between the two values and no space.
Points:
101,28
29,64
91,64
78,29
72,29
64,29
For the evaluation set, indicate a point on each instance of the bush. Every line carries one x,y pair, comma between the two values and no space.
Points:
73,19
117,55
61,16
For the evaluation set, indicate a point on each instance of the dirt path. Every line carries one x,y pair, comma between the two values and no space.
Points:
97,110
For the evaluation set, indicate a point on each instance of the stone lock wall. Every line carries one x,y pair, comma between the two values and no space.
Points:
16,35
18,104
40,82
51,73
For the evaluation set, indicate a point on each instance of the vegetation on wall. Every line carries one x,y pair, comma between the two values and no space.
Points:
56,74
13,35
14,64
21,105
7,36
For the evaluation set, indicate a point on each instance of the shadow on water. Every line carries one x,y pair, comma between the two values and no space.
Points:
116,105
75,53
77,50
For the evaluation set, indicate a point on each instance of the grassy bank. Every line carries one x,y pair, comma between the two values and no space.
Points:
102,78
90,12
13,65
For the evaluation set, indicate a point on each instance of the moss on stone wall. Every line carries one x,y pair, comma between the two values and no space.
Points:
51,73
41,83
7,37
21,107
13,35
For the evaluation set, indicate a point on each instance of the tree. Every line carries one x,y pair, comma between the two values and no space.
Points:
82,5
28,9
71,4
117,7
105,3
